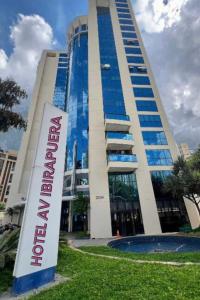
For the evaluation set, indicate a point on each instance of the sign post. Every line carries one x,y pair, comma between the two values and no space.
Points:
38,244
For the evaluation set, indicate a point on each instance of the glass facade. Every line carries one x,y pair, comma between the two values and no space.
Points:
135,59
119,135
150,121
140,80
143,92
77,105
127,28
154,138
129,35
122,157
111,82
124,203
133,51
159,157
59,98
146,105
171,211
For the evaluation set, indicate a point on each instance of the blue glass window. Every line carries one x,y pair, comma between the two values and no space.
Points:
76,30
122,5
131,42
127,28
161,175
137,70
140,80
135,59
59,98
150,121
63,55
123,21
122,1
83,27
159,157
77,105
62,59
117,117
111,82
119,135
133,51
131,35
146,105
143,92
154,138
123,10
124,16
63,65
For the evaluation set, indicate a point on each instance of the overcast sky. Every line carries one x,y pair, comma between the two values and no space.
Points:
170,31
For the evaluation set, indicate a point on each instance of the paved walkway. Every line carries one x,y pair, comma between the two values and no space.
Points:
89,242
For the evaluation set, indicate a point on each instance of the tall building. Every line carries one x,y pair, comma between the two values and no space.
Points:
119,148
7,167
185,150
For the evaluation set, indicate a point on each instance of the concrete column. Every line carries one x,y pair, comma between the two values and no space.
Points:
100,218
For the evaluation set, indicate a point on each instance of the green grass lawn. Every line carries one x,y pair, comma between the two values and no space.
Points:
179,257
94,278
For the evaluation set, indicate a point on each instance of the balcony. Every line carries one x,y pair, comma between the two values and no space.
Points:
119,141
122,163
115,122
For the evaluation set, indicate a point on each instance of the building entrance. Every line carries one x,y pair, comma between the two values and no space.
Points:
124,203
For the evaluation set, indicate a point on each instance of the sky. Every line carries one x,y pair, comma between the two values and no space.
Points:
170,31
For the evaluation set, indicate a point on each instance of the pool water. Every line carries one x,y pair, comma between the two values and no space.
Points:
157,244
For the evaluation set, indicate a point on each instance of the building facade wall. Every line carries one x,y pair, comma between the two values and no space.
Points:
7,167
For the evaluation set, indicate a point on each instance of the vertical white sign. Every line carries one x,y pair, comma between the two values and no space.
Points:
38,245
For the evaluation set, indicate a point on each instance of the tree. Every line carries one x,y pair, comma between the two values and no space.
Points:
2,206
185,179
80,206
10,96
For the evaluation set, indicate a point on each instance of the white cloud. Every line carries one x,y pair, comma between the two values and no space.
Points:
156,15
30,35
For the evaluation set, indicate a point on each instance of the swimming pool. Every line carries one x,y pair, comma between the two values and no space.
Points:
157,244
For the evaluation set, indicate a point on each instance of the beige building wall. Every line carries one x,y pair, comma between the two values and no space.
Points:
7,167
42,93
100,218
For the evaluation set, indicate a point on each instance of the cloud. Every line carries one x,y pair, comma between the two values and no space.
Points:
156,15
30,35
174,56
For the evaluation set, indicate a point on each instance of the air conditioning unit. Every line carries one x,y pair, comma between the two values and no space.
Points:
106,66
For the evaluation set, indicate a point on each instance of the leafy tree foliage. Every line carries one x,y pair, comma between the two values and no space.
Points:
10,96
185,179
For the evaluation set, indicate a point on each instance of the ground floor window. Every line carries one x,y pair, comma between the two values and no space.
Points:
124,203
172,211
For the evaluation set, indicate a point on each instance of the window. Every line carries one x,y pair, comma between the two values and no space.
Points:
159,157
124,16
140,80
146,105
135,59
133,51
123,1
113,100
83,27
63,65
131,42
123,10
143,92
63,55
125,22
62,59
150,121
76,30
154,138
127,28
123,5
137,70
129,35
60,87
